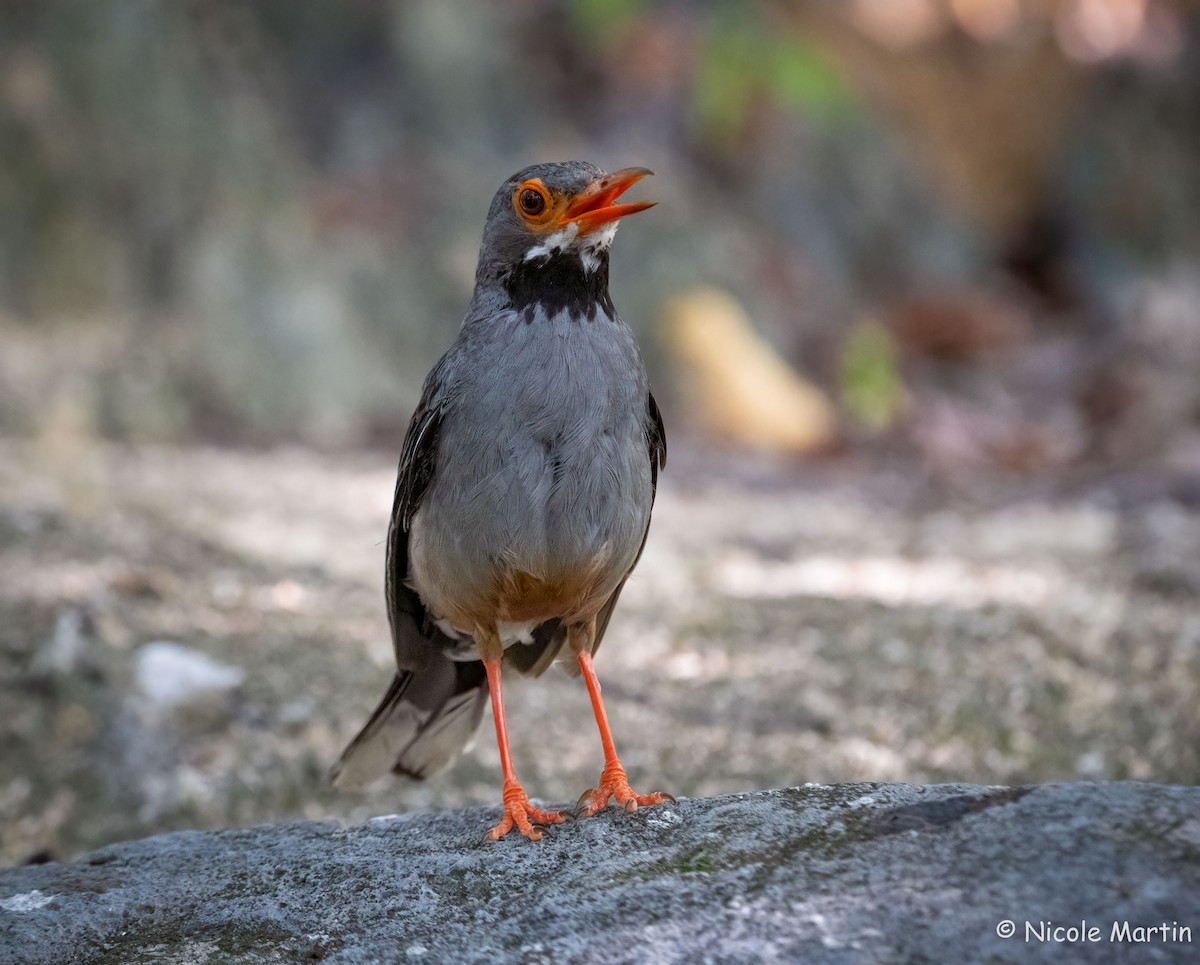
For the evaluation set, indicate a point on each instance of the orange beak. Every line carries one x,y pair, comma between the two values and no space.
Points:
595,205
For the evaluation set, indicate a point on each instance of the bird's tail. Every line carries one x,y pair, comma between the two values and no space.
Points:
425,720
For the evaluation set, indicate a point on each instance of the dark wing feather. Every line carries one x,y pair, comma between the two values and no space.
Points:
406,611
532,659
434,705
414,634
417,460
656,439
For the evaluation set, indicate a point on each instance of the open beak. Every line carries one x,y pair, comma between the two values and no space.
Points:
596,204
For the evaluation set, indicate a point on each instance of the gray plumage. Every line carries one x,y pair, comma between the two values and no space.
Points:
525,485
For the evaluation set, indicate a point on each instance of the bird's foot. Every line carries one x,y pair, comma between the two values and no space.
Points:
522,815
615,784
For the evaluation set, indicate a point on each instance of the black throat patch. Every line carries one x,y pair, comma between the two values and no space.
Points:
558,282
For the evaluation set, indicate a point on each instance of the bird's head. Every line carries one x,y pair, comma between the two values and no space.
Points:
553,221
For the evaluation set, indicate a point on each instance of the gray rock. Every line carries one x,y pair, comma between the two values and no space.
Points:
846,873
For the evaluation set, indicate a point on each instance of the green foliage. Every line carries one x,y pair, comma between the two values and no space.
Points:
743,59
871,387
602,19
744,62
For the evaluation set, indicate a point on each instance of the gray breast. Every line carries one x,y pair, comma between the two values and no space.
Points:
542,461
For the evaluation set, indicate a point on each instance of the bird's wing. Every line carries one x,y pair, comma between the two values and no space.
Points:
656,441
414,634
434,705
419,454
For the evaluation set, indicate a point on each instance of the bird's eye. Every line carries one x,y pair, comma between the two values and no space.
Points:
532,202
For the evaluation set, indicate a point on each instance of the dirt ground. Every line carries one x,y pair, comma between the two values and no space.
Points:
785,625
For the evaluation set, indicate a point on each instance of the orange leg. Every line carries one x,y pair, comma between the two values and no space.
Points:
613,781
518,811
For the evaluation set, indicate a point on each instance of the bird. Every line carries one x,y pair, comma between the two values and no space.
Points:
524,492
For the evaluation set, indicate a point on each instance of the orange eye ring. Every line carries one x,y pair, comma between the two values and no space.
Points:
531,201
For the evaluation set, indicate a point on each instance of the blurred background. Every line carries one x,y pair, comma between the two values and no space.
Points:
920,303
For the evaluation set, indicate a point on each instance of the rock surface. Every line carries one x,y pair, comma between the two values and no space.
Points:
845,873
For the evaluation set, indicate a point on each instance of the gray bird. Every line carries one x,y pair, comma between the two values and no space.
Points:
524,492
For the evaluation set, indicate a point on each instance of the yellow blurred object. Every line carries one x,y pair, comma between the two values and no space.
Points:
737,386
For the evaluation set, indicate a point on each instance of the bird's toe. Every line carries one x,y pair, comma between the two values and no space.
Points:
519,813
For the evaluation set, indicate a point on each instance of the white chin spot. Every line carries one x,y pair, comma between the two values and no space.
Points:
590,246
601,239
595,244
553,243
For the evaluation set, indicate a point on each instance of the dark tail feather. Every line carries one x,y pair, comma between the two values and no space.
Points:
425,720
532,659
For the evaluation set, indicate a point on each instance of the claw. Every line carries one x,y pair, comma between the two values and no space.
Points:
584,798
614,784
